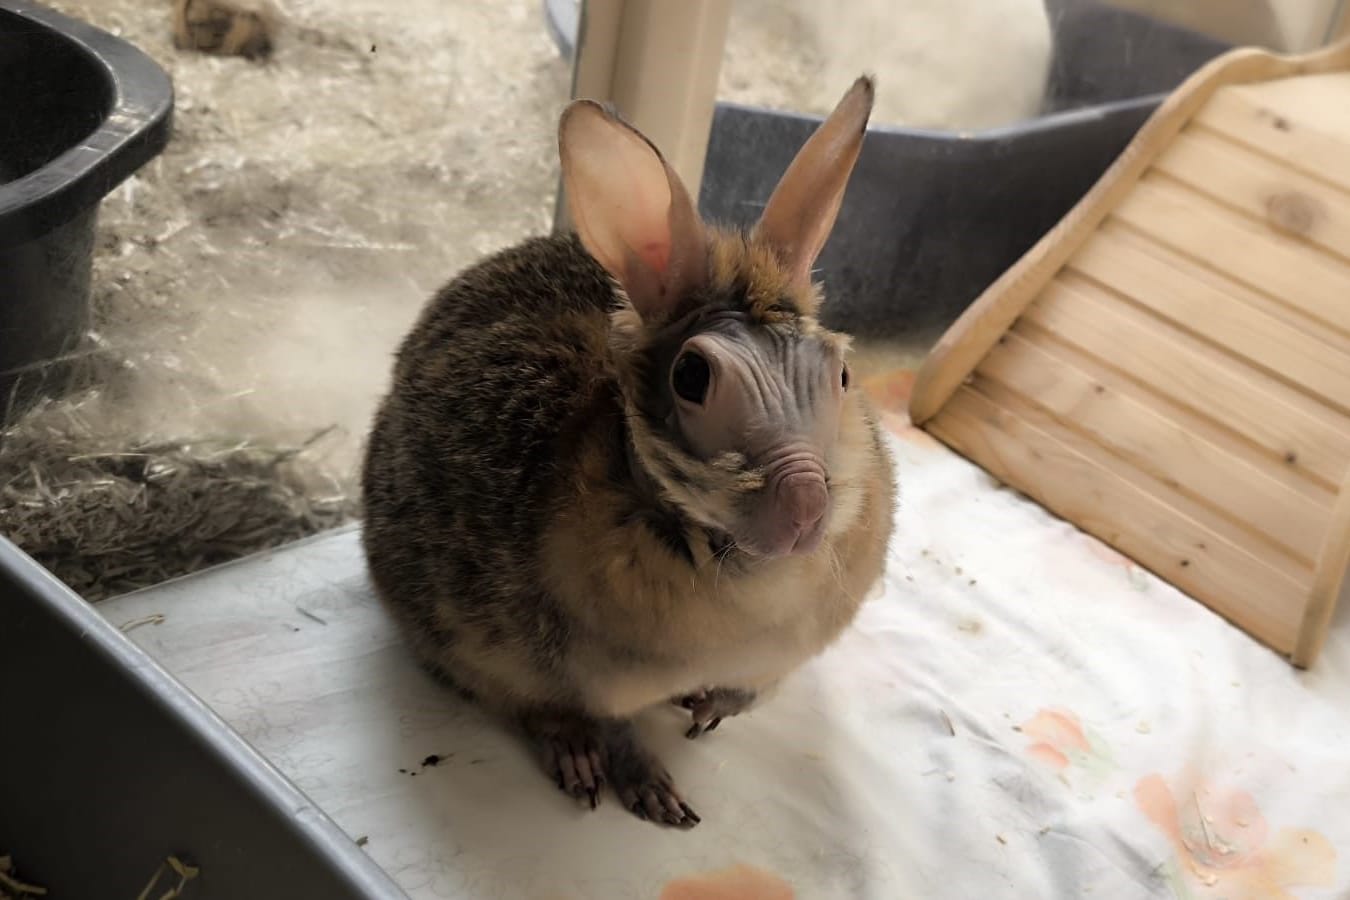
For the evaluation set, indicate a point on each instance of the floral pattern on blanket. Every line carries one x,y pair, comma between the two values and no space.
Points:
739,882
1216,840
1224,846
1058,740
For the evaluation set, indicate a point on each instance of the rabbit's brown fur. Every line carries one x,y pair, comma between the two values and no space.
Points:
533,522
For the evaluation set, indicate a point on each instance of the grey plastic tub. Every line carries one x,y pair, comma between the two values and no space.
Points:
931,218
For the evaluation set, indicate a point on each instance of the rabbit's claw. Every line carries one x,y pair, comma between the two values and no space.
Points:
709,706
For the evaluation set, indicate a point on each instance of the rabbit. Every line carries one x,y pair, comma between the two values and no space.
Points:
623,465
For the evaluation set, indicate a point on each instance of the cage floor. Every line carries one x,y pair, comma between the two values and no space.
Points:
1020,706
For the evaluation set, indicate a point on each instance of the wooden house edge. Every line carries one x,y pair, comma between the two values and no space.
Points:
965,343
1331,584
969,339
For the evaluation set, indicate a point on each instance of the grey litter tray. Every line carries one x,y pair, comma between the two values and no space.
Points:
931,218
108,765
80,111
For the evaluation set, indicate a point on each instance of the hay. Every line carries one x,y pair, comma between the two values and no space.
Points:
106,519
11,887
251,283
171,866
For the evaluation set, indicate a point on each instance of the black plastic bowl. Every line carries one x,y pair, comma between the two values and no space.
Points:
80,111
932,218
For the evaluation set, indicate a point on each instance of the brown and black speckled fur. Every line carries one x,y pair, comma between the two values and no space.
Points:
531,519
492,388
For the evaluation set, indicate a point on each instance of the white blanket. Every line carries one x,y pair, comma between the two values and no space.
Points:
1019,713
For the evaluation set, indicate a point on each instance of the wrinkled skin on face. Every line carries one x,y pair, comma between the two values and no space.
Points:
773,397
733,390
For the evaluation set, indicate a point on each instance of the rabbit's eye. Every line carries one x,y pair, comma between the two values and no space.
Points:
843,378
690,377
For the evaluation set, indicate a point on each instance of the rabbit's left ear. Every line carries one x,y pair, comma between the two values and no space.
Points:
803,207
631,210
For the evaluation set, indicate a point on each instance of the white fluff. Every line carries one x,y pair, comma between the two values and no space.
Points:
944,64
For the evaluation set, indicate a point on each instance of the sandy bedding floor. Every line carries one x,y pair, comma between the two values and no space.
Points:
252,282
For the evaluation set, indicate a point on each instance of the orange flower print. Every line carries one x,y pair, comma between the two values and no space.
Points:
1060,741
737,883
1223,846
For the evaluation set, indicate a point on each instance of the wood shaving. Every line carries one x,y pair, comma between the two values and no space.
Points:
11,887
1205,822
174,866
152,619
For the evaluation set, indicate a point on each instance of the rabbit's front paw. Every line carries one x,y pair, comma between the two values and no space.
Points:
708,707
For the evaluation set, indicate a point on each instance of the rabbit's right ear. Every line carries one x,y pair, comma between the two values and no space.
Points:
630,209
801,210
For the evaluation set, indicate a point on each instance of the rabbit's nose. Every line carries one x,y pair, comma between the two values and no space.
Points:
803,498
795,506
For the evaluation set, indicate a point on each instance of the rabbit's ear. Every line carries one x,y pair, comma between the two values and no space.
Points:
630,209
801,211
